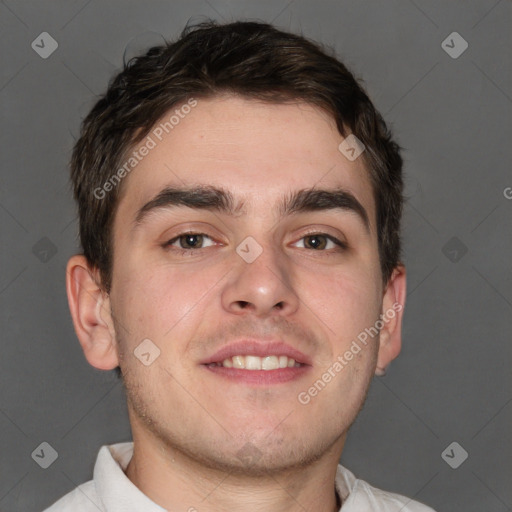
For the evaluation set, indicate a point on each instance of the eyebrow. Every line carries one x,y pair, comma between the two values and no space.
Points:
218,199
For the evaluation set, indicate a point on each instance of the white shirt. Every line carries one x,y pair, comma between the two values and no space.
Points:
111,490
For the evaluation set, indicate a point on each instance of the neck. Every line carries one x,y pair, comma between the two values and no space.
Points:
175,481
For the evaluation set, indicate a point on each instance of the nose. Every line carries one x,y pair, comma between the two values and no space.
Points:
261,287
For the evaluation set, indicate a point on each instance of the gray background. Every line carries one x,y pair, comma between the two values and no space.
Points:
453,116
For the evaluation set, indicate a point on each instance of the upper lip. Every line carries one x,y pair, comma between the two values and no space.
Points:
255,347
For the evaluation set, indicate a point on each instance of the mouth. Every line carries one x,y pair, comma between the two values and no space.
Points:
258,363
254,363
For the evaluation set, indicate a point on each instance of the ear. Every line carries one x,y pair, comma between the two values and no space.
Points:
393,303
90,309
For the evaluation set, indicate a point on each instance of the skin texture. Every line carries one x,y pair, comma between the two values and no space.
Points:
189,425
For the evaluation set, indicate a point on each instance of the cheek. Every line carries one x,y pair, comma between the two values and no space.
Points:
137,301
352,302
156,301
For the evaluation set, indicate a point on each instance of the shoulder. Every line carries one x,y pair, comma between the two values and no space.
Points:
389,501
361,496
81,499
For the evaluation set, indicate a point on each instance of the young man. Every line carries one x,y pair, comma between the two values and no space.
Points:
239,201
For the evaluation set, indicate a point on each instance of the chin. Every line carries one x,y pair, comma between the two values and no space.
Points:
252,461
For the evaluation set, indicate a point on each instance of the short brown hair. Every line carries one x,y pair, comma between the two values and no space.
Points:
251,59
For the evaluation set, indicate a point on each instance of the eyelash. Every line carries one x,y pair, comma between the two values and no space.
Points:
342,246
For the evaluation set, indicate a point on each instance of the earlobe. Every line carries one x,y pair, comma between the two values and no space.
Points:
393,303
90,310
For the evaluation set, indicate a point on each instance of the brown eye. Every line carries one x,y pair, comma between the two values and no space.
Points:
316,241
188,241
319,241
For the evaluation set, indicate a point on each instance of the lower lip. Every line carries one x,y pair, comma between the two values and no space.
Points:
260,377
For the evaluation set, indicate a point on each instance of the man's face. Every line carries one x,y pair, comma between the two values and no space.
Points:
198,295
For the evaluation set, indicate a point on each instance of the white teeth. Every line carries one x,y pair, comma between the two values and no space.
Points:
270,363
252,363
238,362
259,363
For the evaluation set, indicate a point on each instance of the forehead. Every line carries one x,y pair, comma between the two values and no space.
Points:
259,151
